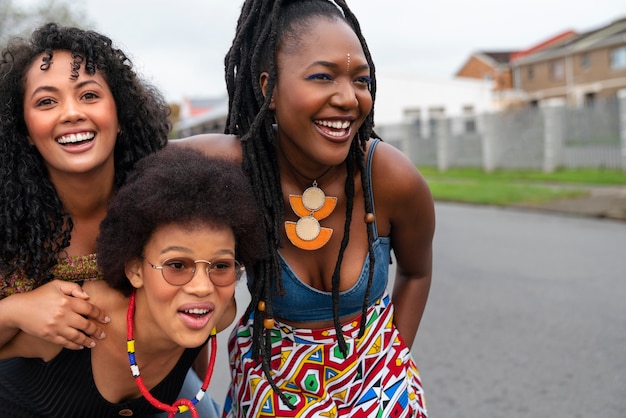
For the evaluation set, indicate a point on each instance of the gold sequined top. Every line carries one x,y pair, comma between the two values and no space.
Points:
72,269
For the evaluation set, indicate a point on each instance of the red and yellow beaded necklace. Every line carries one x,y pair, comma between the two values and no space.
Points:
182,404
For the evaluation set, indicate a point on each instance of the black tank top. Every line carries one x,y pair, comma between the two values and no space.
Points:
64,388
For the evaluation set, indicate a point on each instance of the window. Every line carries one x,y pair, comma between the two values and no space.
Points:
585,62
557,70
531,72
469,119
618,58
435,115
413,115
590,99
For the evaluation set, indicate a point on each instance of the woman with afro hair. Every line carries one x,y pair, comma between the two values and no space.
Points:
75,119
171,249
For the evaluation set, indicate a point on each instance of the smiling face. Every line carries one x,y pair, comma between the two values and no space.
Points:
183,314
72,123
321,96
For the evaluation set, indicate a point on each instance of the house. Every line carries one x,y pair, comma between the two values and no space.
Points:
489,65
419,100
575,70
201,115
401,98
496,66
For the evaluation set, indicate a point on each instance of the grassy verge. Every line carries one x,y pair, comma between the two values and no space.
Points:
505,187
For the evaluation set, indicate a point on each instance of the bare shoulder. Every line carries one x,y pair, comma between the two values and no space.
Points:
402,196
395,174
213,145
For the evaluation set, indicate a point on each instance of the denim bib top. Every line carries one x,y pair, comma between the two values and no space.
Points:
304,303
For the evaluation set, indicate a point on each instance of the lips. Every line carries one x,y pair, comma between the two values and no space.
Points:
196,317
76,138
334,128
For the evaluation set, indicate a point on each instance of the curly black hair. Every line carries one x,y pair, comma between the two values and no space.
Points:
35,226
177,186
264,27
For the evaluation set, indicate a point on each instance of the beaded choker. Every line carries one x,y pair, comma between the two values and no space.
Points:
181,405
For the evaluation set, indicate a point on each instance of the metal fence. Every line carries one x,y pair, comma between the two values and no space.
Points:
533,138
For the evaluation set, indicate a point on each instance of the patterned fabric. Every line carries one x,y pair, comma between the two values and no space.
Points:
72,269
377,378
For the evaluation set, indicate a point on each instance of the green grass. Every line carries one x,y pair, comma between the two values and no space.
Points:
579,176
505,187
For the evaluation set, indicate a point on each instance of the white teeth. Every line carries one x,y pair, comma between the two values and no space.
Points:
197,311
72,138
334,124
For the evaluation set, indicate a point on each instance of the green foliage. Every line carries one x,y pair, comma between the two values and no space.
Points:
19,20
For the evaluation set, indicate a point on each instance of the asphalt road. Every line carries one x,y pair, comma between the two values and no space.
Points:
526,317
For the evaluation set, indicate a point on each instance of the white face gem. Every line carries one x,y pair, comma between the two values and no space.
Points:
348,62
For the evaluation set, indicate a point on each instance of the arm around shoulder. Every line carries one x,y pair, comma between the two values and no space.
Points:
213,145
16,343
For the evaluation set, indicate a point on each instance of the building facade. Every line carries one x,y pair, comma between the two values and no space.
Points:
577,71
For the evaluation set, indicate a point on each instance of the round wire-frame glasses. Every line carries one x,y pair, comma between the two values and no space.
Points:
179,271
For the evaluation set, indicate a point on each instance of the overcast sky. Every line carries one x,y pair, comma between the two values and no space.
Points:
179,45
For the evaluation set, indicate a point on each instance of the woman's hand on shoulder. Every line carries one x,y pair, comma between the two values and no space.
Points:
213,145
58,312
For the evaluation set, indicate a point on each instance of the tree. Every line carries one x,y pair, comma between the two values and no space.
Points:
17,20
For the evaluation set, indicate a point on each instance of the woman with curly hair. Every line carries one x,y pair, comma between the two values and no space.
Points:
322,335
75,118
171,249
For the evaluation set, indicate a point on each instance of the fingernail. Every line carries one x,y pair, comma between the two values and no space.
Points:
102,335
92,344
107,319
85,293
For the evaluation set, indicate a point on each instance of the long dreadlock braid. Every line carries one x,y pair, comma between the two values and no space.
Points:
261,27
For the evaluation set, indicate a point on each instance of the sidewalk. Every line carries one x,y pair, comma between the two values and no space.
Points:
607,202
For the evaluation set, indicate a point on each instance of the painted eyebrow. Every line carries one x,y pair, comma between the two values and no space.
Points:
54,89
335,65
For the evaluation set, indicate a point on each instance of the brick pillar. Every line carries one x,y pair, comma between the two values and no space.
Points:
443,146
553,137
489,142
621,96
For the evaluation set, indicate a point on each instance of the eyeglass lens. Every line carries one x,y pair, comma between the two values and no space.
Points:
222,272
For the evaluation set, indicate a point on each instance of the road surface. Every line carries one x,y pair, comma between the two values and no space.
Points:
526,317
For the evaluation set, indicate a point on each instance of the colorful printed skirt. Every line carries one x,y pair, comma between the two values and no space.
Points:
377,378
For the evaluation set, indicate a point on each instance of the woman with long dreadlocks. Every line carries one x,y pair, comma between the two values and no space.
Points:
321,336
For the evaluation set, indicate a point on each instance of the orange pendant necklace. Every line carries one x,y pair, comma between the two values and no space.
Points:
311,207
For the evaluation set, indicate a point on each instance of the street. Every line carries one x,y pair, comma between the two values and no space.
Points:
526,317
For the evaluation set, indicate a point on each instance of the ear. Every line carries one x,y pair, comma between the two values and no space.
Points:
263,80
134,272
